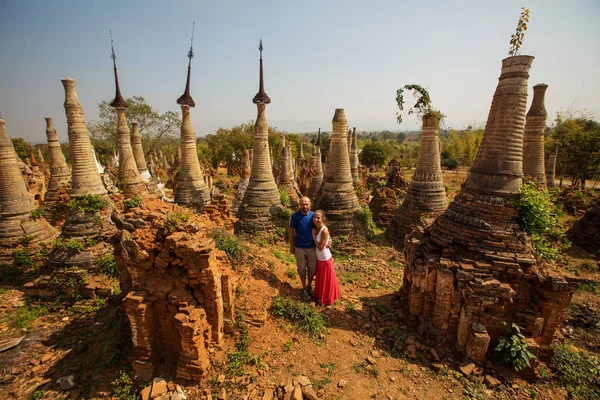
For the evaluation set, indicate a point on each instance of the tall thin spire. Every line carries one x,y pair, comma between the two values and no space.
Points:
319,137
186,98
261,97
119,101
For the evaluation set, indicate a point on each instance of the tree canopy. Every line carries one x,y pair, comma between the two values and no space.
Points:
21,147
579,148
158,130
373,154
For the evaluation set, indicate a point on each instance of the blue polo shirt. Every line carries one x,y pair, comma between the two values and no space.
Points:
303,224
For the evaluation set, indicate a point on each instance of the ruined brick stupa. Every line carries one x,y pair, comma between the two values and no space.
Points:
316,166
60,173
286,176
551,167
338,198
261,201
138,153
16,205
190,187
533,139
91,208
585,232
354,163
426,195
129,179
473,268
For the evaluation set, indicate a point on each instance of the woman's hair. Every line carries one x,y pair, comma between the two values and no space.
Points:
321,212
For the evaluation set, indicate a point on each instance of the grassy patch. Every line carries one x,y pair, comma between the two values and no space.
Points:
578,372
230,244
241,355
589,286
306,317
588,266
133,202
349,277
173,220
286,257
292,273
24,317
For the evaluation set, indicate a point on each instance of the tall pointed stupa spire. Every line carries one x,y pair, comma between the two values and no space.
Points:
261,97
261,198
119,101
130,181
186,98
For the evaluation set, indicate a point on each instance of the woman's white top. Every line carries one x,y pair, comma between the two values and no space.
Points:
325,254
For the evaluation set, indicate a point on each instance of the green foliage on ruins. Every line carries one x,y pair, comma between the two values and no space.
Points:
516,39
578,136
284,197
173,220
578,371
539,216
21,147
133,202
373,154
513,348
90,204
37,213
232,245
159,131
71,245
107,265
307,318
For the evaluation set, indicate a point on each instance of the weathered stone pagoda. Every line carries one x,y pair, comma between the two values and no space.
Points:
244,181
286,176
354,163
138,152
190,188
316,166
473,268
551,167
261,201
426,195
89,216
60,173
533,139
585,232
129,179
338,198
16,206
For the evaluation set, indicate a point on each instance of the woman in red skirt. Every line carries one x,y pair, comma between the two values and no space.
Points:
327,290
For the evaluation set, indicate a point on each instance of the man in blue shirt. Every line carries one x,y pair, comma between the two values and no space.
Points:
303,247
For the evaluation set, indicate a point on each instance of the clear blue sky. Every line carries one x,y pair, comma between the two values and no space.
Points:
319,55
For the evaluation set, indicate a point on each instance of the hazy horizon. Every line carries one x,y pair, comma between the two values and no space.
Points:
318,56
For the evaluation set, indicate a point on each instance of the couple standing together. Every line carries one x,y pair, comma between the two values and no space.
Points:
310,242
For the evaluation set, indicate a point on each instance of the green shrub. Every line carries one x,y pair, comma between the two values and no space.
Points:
71,245
133,202
123,388
285,214
22,260
513,347
284,197
578,372
292,273
589,266
589,286
107,265
308,319
229,243
37,213
90,204
366,216
173,220
222,186
450,163
539,216
25,240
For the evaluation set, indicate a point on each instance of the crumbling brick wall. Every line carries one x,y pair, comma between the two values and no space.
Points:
178,291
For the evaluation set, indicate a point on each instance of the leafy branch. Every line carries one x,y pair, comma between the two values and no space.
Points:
421,107
516,39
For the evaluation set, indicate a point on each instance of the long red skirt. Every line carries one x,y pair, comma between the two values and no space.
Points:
327,290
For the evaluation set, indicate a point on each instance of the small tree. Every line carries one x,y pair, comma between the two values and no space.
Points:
373,154
516,39
21,147
421,107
